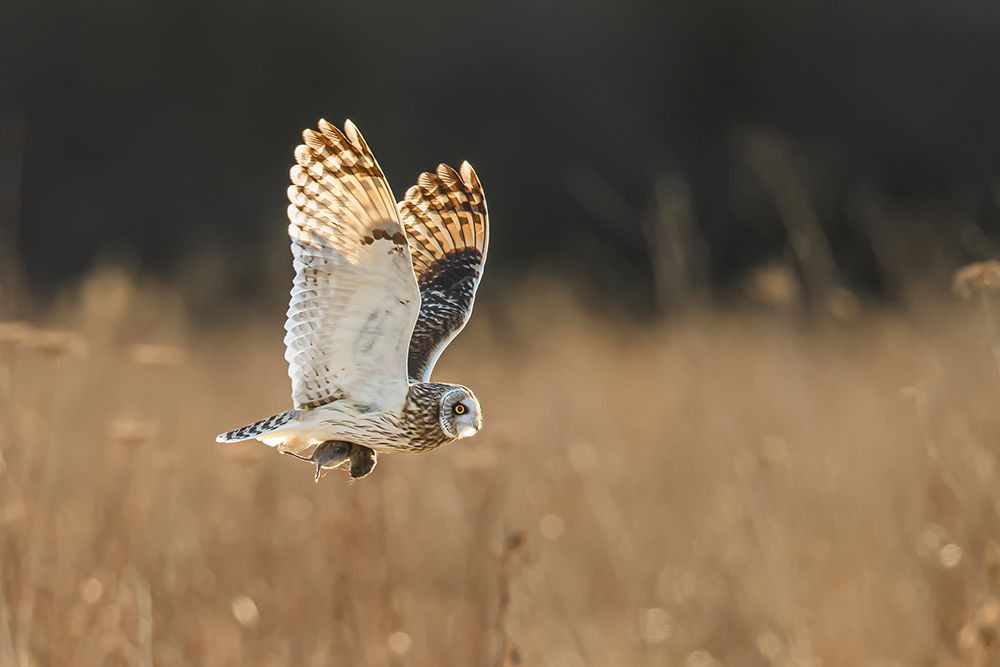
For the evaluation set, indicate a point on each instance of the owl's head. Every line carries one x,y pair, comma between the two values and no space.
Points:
460,415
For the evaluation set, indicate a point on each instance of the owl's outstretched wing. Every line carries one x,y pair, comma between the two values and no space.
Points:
448,231
355,298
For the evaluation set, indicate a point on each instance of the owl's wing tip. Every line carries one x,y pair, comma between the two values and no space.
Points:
468,174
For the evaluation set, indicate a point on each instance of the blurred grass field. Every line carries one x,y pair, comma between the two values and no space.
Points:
747,487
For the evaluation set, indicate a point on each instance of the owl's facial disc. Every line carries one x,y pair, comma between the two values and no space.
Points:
461,415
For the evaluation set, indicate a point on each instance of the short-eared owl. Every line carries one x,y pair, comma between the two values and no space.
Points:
380,290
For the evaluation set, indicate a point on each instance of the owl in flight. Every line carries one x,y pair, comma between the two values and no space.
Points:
380,290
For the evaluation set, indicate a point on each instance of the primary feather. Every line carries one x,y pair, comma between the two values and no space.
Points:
447,227
355,299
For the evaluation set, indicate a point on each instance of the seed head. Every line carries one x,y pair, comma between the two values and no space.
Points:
773,285
15,333
57,343
156,355
132,432
979,277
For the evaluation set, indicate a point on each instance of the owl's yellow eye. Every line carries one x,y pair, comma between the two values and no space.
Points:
459,409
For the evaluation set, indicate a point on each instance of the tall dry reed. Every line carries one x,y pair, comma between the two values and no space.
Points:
737,489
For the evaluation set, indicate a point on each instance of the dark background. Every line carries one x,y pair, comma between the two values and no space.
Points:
161,130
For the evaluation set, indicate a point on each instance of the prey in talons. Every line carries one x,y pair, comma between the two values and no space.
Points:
333,454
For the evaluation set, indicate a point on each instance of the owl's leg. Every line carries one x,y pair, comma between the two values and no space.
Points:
363,461
329,455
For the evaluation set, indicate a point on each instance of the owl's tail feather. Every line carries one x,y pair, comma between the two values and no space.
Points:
258,428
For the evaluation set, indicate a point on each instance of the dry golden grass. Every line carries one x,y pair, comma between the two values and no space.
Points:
737,489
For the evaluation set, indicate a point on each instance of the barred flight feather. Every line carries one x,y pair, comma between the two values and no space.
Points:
258,428
447,227
355,299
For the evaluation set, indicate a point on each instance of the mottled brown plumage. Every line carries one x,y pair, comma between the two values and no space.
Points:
425,419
